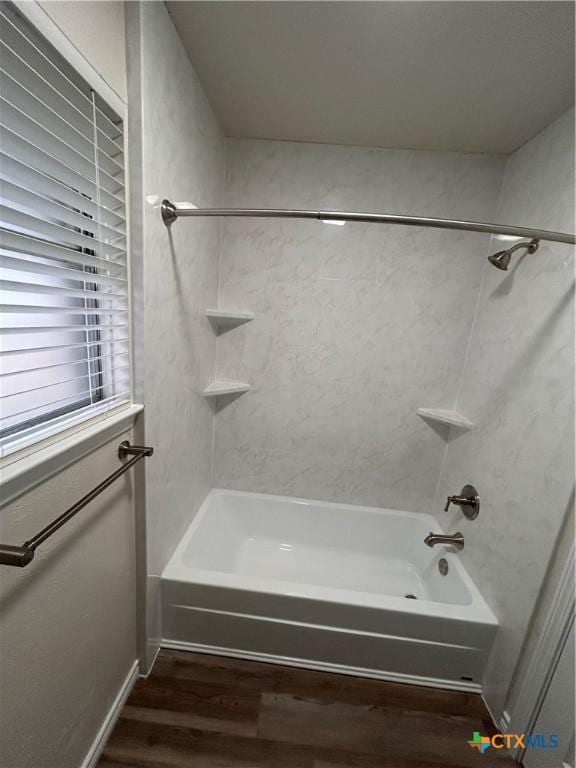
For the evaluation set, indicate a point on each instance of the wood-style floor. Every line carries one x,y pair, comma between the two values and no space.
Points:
197,711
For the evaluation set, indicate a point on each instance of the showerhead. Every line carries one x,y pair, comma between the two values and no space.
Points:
501,259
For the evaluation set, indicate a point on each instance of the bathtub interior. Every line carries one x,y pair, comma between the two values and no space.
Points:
255,538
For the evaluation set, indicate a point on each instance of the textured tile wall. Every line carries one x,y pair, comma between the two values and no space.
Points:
356,326
518,386
184,158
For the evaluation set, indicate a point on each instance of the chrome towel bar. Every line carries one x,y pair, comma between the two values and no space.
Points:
20,556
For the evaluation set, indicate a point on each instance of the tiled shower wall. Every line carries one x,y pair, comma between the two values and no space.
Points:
182,155
356,326
518,386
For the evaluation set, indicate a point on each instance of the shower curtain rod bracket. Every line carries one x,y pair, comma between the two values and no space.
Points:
170,213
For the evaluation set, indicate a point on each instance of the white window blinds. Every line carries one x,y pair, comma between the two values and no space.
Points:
64,350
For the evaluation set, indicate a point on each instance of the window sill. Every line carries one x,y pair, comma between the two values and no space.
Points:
20,474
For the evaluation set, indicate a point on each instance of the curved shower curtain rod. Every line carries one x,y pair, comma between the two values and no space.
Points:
171,212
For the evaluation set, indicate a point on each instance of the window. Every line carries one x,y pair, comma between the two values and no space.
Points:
64,333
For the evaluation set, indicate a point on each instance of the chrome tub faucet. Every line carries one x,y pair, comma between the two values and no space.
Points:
455,539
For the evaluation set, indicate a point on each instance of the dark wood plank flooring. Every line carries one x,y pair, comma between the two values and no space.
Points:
197,711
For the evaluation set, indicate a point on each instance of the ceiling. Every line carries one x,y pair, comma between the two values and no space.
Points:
461,76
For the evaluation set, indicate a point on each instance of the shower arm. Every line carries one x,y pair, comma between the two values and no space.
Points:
171,212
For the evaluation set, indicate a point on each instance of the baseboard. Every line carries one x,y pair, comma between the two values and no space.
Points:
501,722
105,730
319,666
145,675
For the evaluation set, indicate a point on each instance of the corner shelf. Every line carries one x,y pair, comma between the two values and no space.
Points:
224,321
444,416
218,388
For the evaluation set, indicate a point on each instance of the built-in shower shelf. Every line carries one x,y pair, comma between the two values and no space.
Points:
443,416
224,321
218,388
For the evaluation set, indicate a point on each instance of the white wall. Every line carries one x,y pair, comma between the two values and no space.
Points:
67,620
181,157
518,386
97,29
356,326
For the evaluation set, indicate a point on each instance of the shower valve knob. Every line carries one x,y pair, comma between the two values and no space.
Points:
468,501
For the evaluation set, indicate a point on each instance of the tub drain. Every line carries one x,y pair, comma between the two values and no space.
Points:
410,596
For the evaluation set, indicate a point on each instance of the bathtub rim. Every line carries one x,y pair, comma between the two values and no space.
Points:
477,611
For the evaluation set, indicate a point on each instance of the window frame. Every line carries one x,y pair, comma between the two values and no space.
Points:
77,415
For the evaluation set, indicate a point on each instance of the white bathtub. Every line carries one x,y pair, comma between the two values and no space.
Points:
325,585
